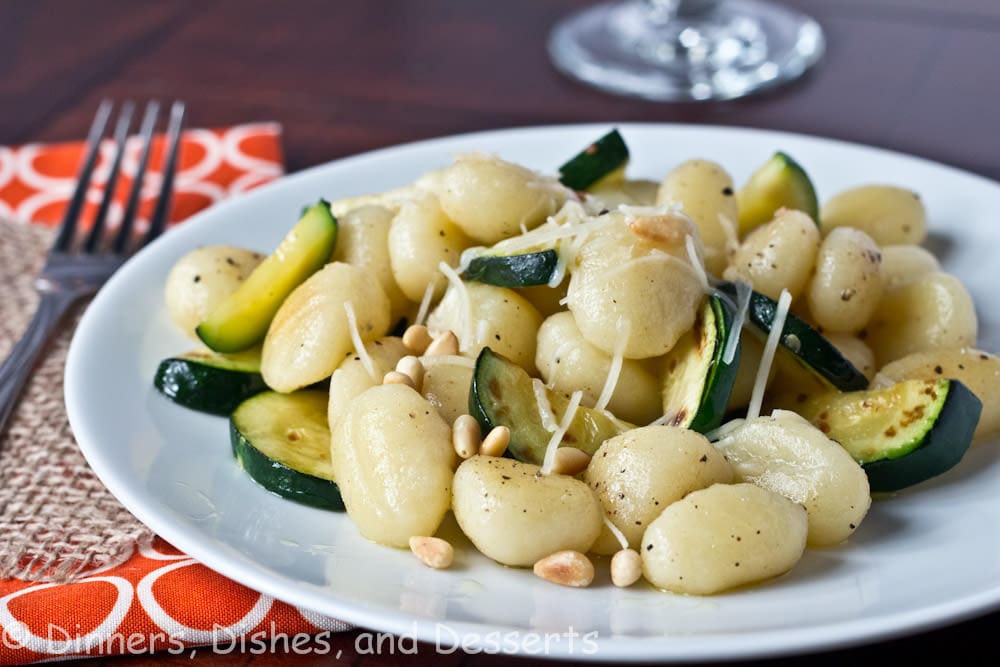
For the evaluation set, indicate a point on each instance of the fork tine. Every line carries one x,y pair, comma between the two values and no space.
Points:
132,208
159,220
121,134
72,216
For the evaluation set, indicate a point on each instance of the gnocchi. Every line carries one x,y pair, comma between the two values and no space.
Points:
722,537
311,333
202,279
393,459
517,517
846,288
888,214
557,343
639,473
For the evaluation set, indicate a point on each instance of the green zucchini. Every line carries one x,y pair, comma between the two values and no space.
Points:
780,183
902,434
601,158
210,382
241,321
282,441
502,395
807,346
523,270
697,377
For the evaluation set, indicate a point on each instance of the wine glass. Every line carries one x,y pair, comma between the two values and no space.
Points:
683,50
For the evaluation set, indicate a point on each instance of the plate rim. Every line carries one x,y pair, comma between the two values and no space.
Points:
237,566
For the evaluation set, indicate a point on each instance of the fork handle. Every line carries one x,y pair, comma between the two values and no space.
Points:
17,367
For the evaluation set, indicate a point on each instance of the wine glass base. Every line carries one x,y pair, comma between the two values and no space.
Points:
740,47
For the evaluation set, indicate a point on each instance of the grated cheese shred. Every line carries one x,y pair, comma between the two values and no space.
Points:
767,359
425,303
696,264
743,292
624,330
661,421
550,449
619,535
359,344
465,340
544,407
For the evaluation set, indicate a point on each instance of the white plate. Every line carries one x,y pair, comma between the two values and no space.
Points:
924,558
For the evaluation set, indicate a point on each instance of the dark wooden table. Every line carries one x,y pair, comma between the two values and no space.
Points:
921,76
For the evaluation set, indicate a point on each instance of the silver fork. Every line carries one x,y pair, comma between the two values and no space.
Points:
76,269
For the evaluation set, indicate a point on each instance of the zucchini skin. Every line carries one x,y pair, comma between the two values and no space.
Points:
205,388
524,270
242,319
813,351
282,480
721,376
941,448
490,401
594,162
779,182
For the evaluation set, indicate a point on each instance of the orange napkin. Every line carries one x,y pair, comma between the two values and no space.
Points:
160,599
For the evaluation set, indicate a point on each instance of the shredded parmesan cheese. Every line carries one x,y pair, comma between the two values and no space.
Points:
425,303
544,407
661,421
696,264
614,531
624,330
359,344
770,347
468,255
743,292
550,449
462,293
724,430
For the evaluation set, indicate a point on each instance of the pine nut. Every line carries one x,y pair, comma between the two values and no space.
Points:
626,568
410,365
446,343
416,338
496,441
432,551
570,461
395,377
465,436
566,568
670,227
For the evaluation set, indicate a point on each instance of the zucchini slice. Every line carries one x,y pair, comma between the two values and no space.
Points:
596,161
524,270
807,346
502,395
780,183
210,382
241,321
698,380
282,441
903,434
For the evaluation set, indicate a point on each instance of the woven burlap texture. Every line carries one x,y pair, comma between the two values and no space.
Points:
57,521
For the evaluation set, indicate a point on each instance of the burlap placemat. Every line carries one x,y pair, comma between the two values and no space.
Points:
57,521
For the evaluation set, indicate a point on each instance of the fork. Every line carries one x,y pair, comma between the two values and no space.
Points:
76,268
